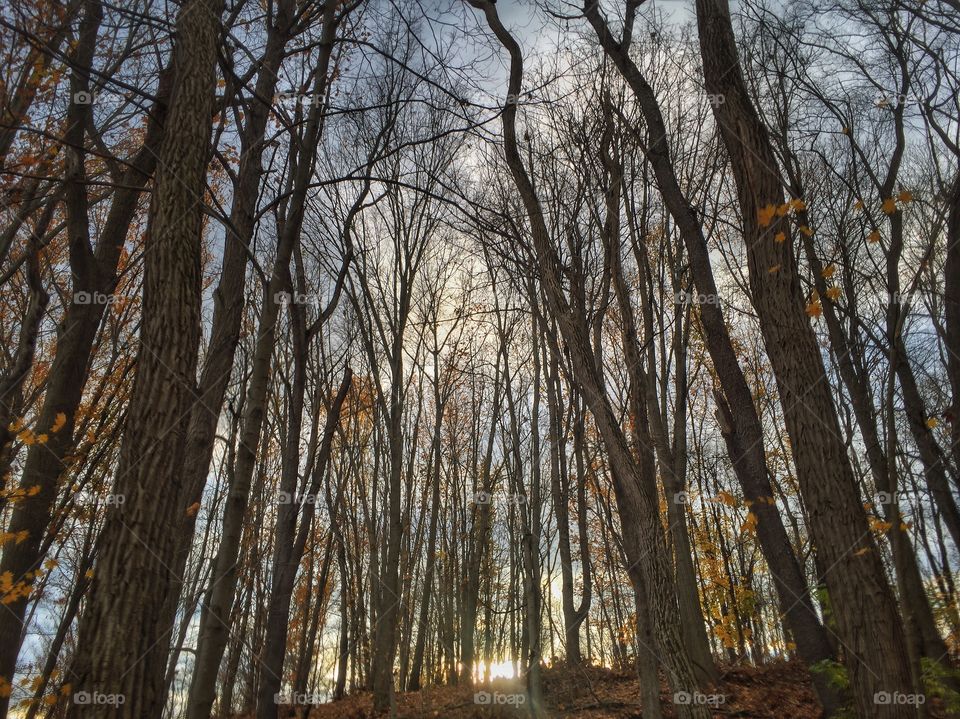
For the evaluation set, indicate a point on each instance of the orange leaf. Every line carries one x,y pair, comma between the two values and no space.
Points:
765,215
58,422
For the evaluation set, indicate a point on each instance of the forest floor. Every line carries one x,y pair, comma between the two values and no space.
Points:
777,691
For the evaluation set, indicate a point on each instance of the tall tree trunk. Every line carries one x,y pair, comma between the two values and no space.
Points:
860,598
478,542
94,273
951,308
288,550
736,413
215,617
648,429
424,611
122,644
229,296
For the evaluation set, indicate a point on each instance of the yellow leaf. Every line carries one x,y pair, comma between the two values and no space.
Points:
58,422
765,215
806,230
65,690
88,574
829,271
858,205
774,270
726,498
780,237
51,564
905,197
749,524
26,436
814,309
42,438
932,423
878,525
193,509
834,293
798,204
874,237
889,206
861,552
16,425
783,209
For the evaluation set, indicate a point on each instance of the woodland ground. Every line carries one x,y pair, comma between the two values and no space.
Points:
776,691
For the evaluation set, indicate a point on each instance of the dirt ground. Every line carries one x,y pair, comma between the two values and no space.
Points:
778,691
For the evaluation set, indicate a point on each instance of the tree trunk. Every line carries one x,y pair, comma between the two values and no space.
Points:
122,644
94,273
860,598
737,415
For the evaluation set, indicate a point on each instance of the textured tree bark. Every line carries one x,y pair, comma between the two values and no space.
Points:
123,645
479,531
648,429
215,614
434,508
94,272
287,553
850,364
868,623
951,306
737,415
229,296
